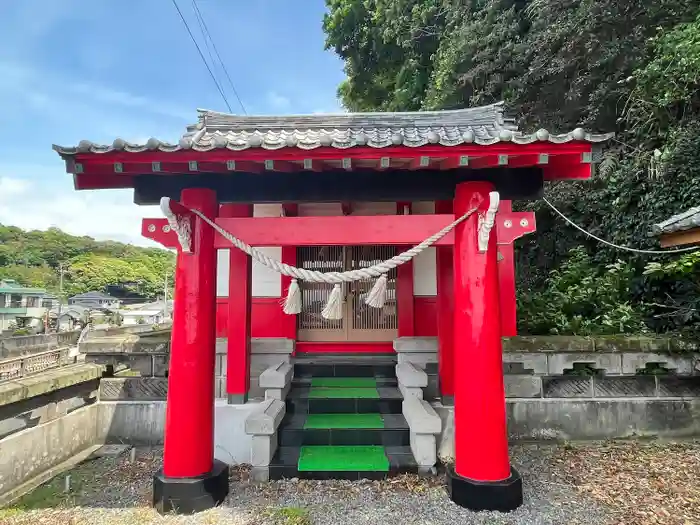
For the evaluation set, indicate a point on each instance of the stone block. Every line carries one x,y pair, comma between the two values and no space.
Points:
548,343
266,418
633,362
277,376
133,388
220,367
410,391
416,345
567,387
263,449
421,360
685,387
278,393
161,364
409,375
420,416
522,385
143,364
624,343
609,363
530,361
639,386
271,345
424,449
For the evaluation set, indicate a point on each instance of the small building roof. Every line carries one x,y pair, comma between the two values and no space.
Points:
94,295
11,286
485,125
139,313
680,222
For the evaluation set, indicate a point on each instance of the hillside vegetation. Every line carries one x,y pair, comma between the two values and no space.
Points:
32,258
628,66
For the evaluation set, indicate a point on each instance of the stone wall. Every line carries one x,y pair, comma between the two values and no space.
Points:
582,367
45,419
22,345
147,356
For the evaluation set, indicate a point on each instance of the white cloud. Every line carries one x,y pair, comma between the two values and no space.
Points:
10,188
103,215
277,101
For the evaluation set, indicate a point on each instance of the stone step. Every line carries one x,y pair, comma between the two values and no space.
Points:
338,462
345,369
344,429
344,400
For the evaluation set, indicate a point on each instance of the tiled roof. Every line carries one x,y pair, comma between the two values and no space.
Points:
481,125
680,222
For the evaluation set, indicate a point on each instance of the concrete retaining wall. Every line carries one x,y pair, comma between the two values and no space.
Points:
29,453
587,419
143,423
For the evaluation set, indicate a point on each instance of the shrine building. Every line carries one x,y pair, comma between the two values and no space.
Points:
297,231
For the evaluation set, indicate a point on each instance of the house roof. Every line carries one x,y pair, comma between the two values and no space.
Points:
483,125
94,295
680,222
10,286
141,313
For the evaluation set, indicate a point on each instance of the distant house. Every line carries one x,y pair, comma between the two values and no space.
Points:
94,300
680,230
21,306
71,317
147,313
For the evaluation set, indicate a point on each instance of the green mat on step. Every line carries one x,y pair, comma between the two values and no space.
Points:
359,382
340,421
353,459
343,393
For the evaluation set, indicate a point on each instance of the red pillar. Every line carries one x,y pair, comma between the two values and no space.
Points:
289,327
445,316
191,479
482,478
239,314
404,298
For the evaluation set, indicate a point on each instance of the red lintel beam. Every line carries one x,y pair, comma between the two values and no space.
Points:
359,230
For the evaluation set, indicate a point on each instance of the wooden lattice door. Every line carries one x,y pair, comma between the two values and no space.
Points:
360,322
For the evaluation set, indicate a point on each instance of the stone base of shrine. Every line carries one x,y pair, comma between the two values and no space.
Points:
502,496
190,495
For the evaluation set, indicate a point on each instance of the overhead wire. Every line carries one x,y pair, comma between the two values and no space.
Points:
200,18
626,248
201,55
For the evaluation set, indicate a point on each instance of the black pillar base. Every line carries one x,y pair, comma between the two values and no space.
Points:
503,496
189,495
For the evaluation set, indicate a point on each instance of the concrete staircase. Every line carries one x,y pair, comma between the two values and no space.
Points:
343,421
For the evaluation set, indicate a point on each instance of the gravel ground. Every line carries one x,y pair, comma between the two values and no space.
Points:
602,483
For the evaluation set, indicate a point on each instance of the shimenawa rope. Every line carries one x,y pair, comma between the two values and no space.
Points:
333,308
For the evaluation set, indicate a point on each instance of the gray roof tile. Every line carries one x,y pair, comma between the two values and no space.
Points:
481,125
680,222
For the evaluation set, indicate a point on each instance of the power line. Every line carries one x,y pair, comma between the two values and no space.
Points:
216,51
626,248
200,22
194,41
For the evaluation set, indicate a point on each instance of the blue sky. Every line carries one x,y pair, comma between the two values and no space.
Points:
94,69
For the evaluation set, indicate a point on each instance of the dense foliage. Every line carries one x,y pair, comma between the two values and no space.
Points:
34,258
629,66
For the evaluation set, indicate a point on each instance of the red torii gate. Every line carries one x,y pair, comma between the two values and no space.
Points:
224,163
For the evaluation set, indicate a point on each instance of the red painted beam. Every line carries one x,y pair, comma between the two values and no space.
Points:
340,230
335,230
